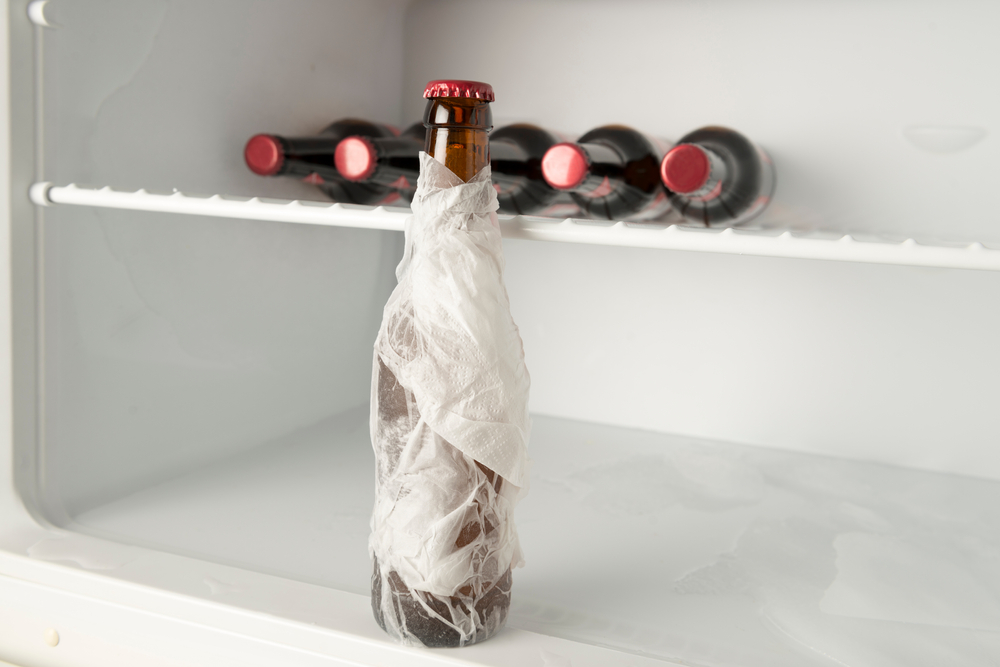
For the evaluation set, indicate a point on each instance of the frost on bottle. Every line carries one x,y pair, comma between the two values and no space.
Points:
717,177
611,172
311,159
449,416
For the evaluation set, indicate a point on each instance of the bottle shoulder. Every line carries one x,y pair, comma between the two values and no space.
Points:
522,141
722,140
414,131
346,127
629,143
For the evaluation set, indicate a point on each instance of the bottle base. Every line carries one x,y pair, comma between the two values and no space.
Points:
417,618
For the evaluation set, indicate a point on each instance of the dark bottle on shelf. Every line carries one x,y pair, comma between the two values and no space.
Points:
516,162
391,162
516,153
717,177
311,159
611,172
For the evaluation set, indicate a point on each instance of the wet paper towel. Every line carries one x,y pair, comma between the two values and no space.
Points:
449,409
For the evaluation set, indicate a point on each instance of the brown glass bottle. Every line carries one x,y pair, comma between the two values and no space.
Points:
311,159
391,162
458,128
458,120
516,153
717,177
611,172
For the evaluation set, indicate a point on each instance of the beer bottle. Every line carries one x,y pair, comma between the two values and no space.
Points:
383,161
311,159
448,363
717,177
516,153
611,172
516,162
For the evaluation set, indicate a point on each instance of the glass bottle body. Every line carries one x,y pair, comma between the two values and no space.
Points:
311,159
613,173
736,180
390,162
457,136
516,153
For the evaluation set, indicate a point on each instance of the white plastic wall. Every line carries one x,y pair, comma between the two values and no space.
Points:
879,119
878,114
172,342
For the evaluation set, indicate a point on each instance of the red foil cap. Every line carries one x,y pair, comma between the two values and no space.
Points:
564,166
264,154
685,168
456,88
355,158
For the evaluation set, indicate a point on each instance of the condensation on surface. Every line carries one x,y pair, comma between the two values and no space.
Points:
773,559
717,554
87,552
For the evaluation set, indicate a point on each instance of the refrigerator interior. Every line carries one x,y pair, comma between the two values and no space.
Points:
737,460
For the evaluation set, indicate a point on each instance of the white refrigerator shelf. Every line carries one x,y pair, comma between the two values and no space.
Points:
759,242
641,547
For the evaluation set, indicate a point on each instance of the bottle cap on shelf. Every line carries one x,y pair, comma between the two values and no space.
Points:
457,88
685,168
264,154
564,166
355,158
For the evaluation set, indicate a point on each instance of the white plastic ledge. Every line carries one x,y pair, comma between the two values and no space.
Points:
764,243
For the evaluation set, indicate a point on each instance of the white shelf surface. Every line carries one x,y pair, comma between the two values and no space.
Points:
761,242
660,546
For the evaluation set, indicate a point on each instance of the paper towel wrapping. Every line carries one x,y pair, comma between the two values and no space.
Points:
450,389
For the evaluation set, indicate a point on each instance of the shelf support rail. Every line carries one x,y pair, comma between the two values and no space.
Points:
763,243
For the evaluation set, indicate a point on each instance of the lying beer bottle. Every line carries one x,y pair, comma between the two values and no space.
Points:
391,162
311,159
717,177
448,377
611,172
516,153
516,162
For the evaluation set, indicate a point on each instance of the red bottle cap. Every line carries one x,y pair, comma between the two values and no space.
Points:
264,154
685,168
456,88
355,158
564,166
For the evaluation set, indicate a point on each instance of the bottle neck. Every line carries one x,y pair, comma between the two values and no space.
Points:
305,147
712,186
458,134
398,162
693,172
301,156
507,150
388,161
605,168
509,163
313,155
305,156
